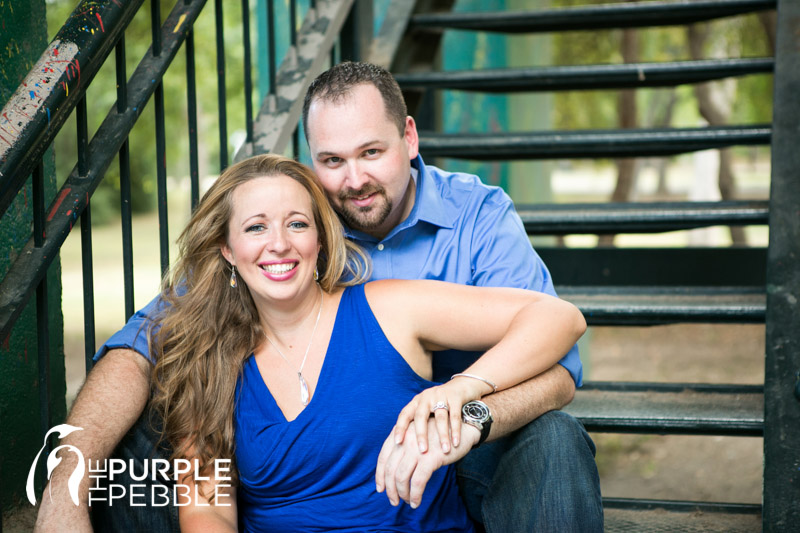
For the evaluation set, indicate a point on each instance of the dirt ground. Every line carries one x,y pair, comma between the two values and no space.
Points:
723,469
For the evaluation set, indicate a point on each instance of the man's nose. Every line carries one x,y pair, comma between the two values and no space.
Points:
356,177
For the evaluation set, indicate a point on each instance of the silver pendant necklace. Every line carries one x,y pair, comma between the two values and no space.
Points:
303,385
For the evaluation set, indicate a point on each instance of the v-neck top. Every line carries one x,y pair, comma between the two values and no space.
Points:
317,472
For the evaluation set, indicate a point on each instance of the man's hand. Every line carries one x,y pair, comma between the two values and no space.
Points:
109,403
403,471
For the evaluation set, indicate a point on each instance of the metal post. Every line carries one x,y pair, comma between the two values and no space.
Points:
356,36
781,407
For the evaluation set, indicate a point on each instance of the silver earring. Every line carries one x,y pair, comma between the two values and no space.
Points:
316,274
233,276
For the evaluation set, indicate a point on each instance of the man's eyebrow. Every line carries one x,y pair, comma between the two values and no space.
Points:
359,147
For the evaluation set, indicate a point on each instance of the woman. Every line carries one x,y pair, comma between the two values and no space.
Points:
274,352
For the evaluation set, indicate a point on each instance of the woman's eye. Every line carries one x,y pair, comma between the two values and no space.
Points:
298,225
255,228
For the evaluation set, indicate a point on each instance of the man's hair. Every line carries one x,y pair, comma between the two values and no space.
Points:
339,81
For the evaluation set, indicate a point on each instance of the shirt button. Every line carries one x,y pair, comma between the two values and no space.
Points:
380,247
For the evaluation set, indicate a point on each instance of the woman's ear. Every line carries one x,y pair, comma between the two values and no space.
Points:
227,254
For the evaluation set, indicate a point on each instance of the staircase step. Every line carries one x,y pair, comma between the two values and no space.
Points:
589,143
687,266
623,76
596,17
633,217
634,306
670,408
624,515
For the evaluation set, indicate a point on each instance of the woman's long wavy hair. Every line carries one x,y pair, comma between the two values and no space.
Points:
207,328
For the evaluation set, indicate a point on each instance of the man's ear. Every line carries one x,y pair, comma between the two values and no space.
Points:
411,137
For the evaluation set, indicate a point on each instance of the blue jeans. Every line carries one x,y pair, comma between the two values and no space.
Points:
541,478
140,445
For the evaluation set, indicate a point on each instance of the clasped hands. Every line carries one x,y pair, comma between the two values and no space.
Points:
424,439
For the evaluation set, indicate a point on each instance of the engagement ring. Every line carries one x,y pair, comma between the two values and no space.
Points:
441,405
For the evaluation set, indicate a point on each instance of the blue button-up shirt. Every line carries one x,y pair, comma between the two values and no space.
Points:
459,230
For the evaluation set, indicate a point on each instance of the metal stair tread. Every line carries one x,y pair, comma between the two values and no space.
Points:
667,304
624,515
586,76
593,17
639,217
589,143
683,408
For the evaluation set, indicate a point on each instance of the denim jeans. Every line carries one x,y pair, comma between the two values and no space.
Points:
149,513
541,478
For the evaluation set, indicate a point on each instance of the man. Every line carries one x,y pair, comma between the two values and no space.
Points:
537,473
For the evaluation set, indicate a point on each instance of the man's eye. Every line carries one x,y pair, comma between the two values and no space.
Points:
371,151
333,160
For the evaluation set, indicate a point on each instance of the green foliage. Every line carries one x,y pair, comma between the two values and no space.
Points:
101,97
730,37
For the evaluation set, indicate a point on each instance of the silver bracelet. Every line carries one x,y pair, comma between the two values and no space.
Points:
473,376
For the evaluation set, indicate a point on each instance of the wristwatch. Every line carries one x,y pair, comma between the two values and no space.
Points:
477,414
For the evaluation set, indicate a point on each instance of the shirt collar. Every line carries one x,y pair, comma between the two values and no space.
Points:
428,205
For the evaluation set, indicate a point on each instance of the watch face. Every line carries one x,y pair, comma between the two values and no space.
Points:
476,410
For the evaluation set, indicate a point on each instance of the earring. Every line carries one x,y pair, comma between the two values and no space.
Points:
233,276
316,274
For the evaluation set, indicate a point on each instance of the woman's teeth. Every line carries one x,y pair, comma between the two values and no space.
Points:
279,268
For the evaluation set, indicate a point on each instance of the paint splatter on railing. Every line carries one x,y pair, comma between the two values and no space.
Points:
57,67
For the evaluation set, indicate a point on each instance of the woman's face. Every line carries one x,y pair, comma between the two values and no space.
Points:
272,238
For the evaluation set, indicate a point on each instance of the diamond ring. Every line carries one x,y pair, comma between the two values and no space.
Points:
441,405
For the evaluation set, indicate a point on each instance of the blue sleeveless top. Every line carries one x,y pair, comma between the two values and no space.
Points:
317,472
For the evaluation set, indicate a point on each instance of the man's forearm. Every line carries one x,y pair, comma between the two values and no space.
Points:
109,403
515,407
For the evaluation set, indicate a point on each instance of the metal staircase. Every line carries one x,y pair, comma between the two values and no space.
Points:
649,286
613,286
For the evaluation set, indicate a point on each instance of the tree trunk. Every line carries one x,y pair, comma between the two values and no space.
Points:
712,108
664,121
626,112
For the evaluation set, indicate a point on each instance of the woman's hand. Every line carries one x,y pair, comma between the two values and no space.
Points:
444,403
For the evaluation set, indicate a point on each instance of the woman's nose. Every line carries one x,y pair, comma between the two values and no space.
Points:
278,240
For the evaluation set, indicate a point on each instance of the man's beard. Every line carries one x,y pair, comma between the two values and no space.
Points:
365,218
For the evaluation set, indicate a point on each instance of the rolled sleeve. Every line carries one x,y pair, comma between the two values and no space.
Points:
134,334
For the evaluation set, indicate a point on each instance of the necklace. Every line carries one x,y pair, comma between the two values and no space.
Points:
303,385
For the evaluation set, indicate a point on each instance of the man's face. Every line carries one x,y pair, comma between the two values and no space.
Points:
362,160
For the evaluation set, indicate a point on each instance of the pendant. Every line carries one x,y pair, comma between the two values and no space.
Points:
303,389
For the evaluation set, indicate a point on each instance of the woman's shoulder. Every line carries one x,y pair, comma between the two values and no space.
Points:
398,295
